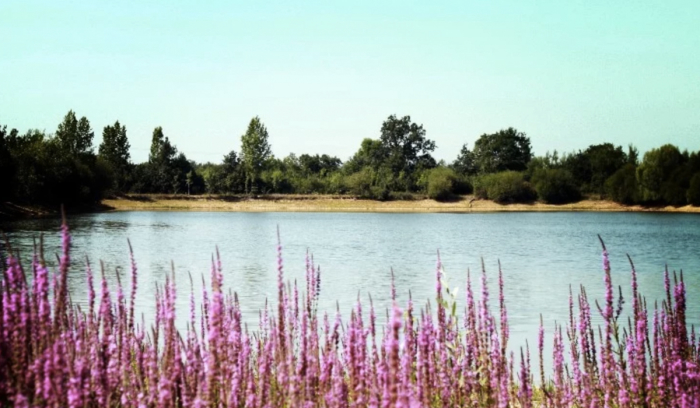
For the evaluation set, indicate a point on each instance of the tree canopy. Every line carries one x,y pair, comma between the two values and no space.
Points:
407,149
46,168
114,150
255,151
504,150
75,136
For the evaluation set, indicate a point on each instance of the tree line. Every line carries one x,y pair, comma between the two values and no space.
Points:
63,168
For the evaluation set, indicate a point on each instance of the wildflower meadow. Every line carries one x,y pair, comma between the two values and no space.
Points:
57,353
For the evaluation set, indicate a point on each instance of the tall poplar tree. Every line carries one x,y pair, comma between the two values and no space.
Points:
114,149
255,151
75,136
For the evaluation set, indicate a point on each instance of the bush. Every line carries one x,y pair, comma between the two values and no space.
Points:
504,187
336,183
693,193
360,183
622,186
462,186
555,186
441,183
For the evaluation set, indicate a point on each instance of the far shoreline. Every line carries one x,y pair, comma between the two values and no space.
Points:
327,203
320,203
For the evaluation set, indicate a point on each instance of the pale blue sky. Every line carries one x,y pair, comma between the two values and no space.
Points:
324,75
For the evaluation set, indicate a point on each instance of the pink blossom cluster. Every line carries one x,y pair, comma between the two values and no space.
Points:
54,353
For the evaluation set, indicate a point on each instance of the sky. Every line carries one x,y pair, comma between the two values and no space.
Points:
323,75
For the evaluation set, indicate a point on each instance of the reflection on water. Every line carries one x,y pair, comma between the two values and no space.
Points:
542,254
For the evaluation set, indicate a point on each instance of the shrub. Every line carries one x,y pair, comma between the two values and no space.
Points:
360,183
622,186
693,193
336,183
505,187
462,186
555,186
441,183
379,193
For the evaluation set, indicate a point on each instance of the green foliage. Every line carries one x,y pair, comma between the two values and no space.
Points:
605,159
504,187
632,155
75,136
592,167
360,183
8,167
622,186
114,150
318,165
548,161
504,150
367,183
655,175
579,166
162,173
255,152
371,154
180,169
555,186
407,148
396,160
441,183
43,169
465,163
46,173
693,193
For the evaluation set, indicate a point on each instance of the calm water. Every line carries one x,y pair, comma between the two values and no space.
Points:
541,254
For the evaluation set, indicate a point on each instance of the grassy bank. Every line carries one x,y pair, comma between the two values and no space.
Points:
326,203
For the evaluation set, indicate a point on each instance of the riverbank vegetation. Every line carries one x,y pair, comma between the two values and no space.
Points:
54,352
63,167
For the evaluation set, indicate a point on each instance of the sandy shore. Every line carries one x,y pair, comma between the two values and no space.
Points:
320,203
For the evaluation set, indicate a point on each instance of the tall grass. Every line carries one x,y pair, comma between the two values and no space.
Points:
55,353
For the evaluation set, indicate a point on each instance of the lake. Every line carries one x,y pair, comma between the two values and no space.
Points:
542,255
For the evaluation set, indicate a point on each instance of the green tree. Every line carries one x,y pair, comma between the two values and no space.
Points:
189,180
632,155
622,186
7,165
504,187
506,149
605,159
406,146
693,193
234,177
555,186
161,173
465,162
318,165
114,150
371,154
441,183
592,167
655,175
360,183
255,151
75,136
162,151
